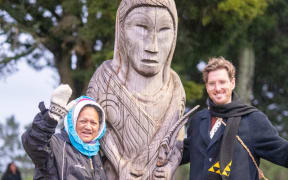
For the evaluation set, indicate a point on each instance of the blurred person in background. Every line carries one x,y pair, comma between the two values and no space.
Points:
12,172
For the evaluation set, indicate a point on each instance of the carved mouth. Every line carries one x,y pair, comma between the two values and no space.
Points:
149,61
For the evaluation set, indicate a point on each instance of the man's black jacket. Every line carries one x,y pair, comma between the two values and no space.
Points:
255,130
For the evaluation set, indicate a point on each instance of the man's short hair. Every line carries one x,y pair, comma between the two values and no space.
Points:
216,63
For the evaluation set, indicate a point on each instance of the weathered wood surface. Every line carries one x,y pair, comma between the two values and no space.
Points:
142,96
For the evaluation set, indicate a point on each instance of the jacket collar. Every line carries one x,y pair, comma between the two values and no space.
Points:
64,135
217,136
205,128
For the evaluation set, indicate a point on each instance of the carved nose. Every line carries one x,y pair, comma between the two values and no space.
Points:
152,44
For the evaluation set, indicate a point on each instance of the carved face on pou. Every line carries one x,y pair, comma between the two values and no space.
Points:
149,35
121,63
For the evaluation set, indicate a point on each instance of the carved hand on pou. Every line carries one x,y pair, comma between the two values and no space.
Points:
163,154
168,160
59,105
169,142
164,172
129,171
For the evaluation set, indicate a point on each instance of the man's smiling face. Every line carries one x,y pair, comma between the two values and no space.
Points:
219,86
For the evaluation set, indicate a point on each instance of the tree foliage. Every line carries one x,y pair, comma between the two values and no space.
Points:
78,33
270,35
11,147
212,28
9,137
209,28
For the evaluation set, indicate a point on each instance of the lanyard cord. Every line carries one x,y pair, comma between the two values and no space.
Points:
63,158
260,172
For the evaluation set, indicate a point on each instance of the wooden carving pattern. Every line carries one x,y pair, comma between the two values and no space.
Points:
132,131
142,96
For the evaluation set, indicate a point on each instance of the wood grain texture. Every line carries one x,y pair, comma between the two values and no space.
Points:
142,96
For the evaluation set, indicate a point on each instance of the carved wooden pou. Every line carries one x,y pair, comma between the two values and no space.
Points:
142,96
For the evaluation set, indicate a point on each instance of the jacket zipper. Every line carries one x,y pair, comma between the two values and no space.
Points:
91,164
92,168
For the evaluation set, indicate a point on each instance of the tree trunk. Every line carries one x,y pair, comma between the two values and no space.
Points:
246,74
63,64
79,77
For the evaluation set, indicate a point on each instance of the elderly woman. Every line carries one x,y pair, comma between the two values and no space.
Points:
140,93
74,153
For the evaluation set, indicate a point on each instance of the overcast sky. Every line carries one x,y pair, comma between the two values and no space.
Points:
21,92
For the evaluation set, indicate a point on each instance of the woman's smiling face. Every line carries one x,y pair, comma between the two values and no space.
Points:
87,124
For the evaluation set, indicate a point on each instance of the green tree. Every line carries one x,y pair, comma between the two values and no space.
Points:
11,147
262,50
9,137
270,83
78,33
211,28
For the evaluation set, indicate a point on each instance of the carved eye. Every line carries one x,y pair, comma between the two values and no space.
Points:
141,26
164,28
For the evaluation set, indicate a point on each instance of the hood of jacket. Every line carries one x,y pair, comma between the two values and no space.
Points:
91,148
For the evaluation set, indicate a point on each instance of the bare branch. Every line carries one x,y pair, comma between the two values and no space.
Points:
6,60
